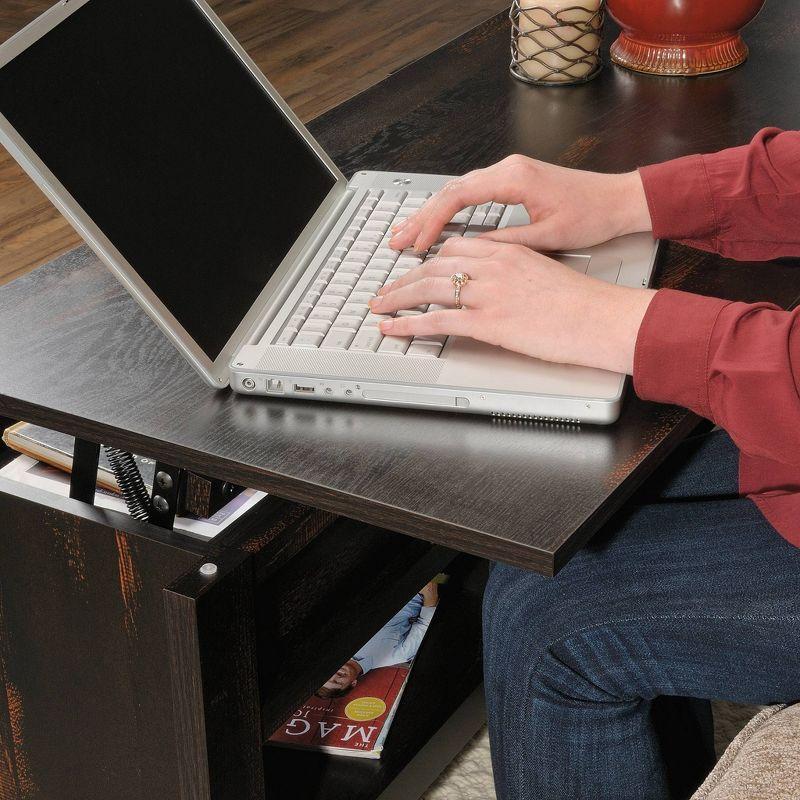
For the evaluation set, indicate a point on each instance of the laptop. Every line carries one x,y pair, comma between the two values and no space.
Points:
158,138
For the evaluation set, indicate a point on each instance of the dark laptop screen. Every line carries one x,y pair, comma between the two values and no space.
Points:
166,140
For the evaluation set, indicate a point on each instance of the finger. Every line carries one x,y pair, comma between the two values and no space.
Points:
535,235
446,322
423,228
437,267
424,292
473,247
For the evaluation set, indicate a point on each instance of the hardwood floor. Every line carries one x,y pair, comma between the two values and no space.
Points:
316,52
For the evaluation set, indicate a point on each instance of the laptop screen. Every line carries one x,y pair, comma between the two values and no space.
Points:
173,148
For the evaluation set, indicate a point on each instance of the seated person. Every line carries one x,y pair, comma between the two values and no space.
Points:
598,681
397,642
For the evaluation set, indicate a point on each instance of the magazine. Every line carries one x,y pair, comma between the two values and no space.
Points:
351,714
26,470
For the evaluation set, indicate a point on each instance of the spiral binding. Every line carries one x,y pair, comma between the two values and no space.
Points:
130,482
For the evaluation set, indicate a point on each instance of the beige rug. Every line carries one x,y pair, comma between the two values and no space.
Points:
469,777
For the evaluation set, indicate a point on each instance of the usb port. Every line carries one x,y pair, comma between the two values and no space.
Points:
304,389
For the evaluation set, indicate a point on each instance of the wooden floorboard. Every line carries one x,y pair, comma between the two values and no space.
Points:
318,53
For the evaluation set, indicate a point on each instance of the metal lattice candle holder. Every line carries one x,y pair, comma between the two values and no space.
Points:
556,46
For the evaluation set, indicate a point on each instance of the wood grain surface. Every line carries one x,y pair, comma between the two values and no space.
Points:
317,52
79,356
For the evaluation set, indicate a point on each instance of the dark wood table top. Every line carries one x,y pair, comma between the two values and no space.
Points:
79,356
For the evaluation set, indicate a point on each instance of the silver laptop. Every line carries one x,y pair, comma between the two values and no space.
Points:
159,139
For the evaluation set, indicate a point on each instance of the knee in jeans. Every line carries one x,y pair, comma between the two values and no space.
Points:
553,636
518,607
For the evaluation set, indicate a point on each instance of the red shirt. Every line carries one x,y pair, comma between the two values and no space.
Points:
738,364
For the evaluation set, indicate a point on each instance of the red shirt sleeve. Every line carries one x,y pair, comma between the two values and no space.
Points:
737,364
742,203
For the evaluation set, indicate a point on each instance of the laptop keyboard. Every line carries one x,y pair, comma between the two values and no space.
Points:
335,313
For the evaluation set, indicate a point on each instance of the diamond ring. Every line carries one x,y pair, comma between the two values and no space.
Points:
459,280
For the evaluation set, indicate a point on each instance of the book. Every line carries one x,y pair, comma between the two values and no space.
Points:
29,472
56,449
352,713
200,496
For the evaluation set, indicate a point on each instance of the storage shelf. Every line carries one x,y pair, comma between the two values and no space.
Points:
446,672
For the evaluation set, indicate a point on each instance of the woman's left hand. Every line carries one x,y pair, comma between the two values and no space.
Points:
519,300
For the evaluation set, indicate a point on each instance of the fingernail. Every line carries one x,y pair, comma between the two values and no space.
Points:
376,301
386,326
400,225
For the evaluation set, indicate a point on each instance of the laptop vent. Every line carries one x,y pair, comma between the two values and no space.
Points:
516,418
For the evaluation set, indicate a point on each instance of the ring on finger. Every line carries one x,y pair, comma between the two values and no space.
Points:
459,281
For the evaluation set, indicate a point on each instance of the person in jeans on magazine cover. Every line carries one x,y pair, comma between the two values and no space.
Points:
598,681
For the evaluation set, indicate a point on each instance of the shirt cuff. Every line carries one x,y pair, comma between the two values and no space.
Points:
426,613
671,356
680,201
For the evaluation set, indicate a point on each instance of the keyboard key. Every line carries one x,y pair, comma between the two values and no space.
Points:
408,261
477,230
379,275
311,298
367,339
384,216
352,323
347,278
318,286
355,310
373,320
328,314
352,268
307,340
395,345
286,337
304,309
326,274
431,338
368,286
386,253
370,236
337,290
364,247
361,298
462,218
381,263
296,322
317,326
338,339
424,349
412,312
331,301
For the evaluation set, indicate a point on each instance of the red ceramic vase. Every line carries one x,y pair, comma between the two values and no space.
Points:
681,37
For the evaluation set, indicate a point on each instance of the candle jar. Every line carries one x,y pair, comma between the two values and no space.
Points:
556,42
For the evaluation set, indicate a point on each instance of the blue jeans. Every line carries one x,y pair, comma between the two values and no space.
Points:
599,681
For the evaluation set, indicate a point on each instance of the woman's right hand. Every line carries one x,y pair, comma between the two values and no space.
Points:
568,208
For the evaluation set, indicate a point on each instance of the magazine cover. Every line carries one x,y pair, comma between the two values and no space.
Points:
351,713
